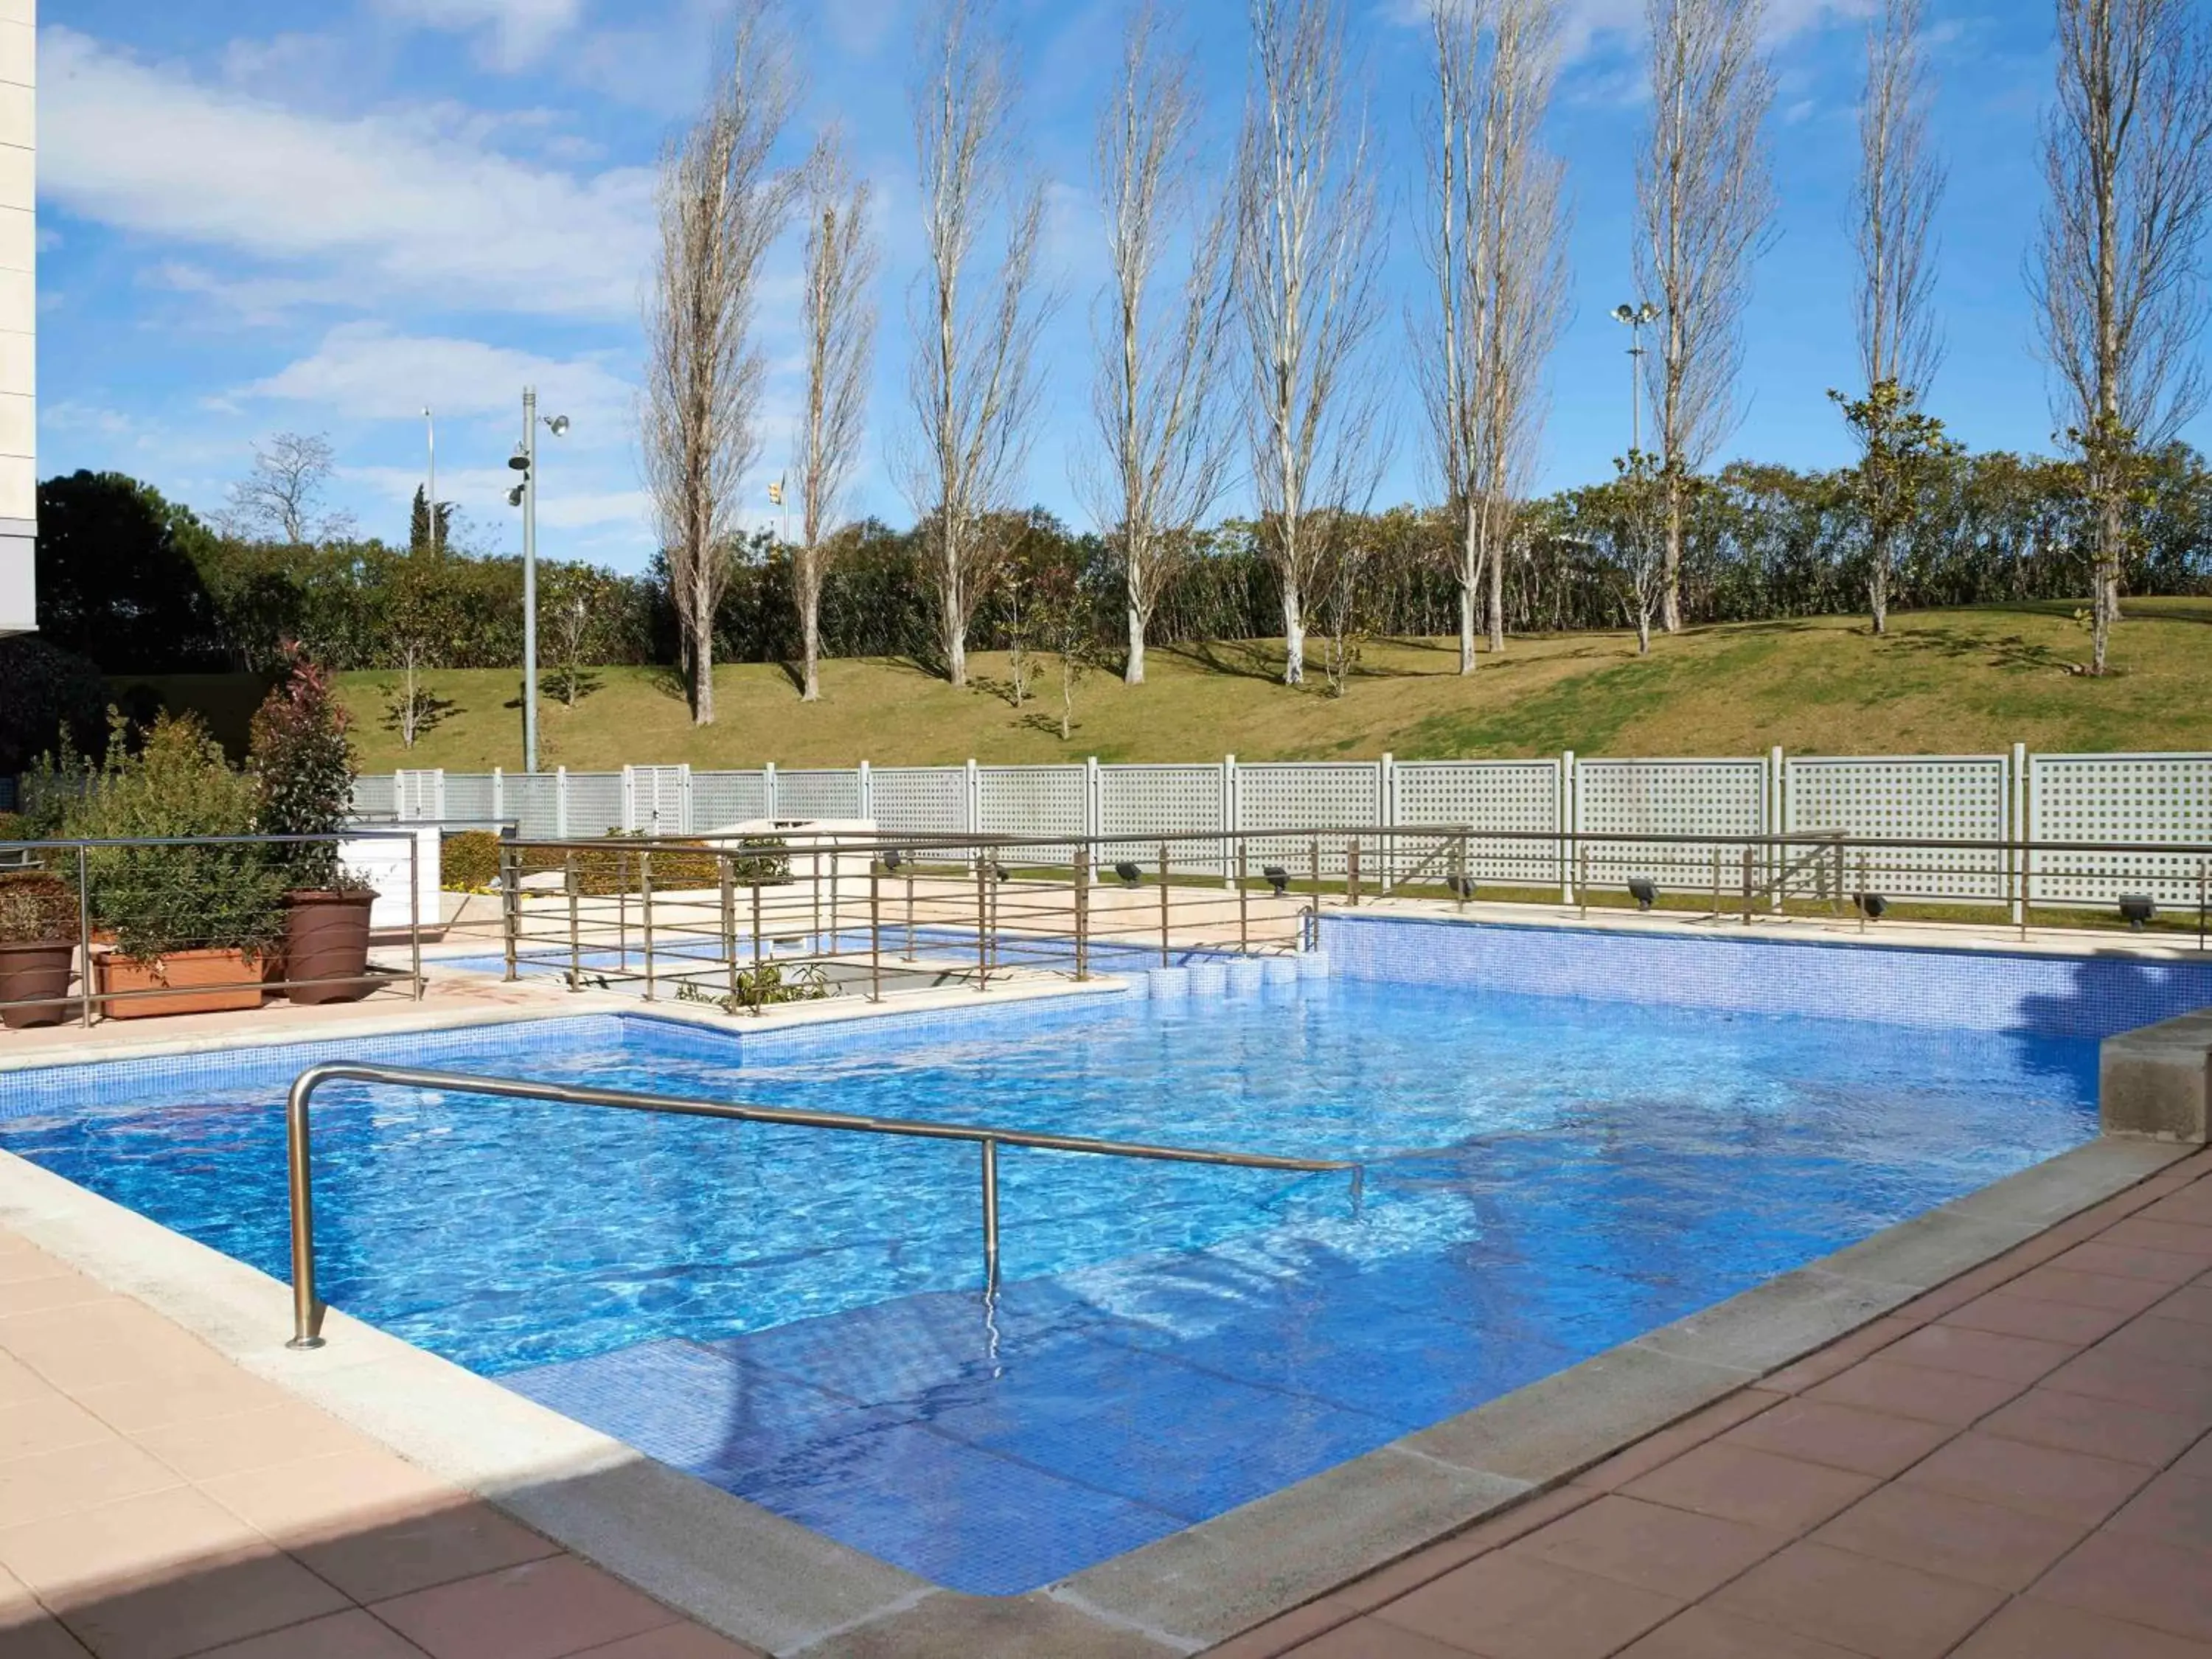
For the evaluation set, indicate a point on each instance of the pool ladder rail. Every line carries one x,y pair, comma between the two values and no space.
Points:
307,1309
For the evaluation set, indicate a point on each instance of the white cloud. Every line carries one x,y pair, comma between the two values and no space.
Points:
408,201
1584,25
513,35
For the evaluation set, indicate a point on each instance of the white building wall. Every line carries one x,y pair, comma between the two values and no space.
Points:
19,304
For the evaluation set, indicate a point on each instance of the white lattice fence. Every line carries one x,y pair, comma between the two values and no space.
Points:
1714,801
470,798
823,794
2129,798
657,799
1148,801
719,799
1318,795
374,796
595,804
1501,795
532,801
921,801
419,795
1904,798
1033,800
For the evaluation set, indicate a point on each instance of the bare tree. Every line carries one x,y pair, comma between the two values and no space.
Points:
1496,246
841,258
969,380
722,203
1900,184
1705,202
2117,277
1154,395
281,499
1308,248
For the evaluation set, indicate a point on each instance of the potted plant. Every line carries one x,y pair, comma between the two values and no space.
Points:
303,766
190,922
37,947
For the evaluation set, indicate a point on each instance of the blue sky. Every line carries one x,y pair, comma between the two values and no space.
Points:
259,216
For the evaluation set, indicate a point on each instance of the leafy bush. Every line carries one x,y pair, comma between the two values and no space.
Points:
772,981
469,863
161,900
303,767
36,906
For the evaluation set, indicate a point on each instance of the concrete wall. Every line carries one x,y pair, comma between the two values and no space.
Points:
19,484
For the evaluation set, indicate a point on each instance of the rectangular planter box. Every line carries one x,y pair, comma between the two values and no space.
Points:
191,982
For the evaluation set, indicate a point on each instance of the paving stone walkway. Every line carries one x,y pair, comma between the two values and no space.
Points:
2014,1466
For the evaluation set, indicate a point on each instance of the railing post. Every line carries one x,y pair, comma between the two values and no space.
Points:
982,920
758,976
1571,861
1750,882
1352,872
814,892
510,882
1164,958
1083,862
990,1218
86,995
645,904
1463,887
2017,858
414,913
575,921
1244,902
307,1309
1313,871
875,931
730,923
909,911
2203,898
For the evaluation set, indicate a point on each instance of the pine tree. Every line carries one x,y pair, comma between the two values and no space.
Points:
418,523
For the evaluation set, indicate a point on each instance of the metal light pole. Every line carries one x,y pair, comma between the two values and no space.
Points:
1636,317
525,495
430,427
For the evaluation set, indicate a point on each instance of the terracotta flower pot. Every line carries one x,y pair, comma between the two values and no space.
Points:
326,938
190,981
29,972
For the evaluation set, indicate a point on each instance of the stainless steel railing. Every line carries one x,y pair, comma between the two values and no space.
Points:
307,1309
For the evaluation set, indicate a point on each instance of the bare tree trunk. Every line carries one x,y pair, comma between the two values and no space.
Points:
1308,246
841,327
722,204
2117,277
1154,394
1705,202
970,382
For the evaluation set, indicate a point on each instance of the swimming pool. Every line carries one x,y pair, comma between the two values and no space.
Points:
791,1316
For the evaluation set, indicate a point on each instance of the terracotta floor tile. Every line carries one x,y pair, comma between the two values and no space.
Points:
2191,1207
19,1382
2169,1341
1870,1607
1952,1537
350,1635
539,1610
81,1477
2103,1428
1823,1364
1883,1385
2037,1630
1842,1436
47,1423
1371,1638
1706,1632
20,1261
40,1638
1983,1353
685,1641
1439,1559
1505,1608
1651,1547
131,1407
2008,1313
2088,1289
2191,1302
396,1557
297,1503
1286,1630
129,1539
1649,1453
2118,1262
2136,1581
2196,1461
1739,1484
2065,1486
2140,1232
2131,1380
59,1289
2174,1509
164,1356
204,1448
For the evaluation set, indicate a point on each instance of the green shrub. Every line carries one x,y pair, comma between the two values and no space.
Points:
469,863
161,900
35,907
303,768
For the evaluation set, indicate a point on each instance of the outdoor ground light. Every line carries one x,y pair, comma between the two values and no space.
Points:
1130,872
2138,908
1872,906
1278,878
893,859
1643,890
1461,887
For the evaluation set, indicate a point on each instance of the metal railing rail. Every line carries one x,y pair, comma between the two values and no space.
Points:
307,1309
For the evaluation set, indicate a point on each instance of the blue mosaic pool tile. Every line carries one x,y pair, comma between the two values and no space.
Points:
2090,996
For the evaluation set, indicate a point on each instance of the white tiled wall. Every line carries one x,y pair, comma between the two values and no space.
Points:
19,486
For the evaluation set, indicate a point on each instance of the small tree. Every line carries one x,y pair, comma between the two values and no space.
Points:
302,762
281,499
1344,610
420,622
1061,615
1635,509
1902,451
571,599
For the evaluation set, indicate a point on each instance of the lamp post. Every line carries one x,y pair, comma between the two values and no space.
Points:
525,495
1636,317
430,431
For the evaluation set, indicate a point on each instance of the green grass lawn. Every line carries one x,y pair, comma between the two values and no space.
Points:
1943,681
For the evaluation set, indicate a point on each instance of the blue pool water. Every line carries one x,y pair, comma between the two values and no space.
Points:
791,1315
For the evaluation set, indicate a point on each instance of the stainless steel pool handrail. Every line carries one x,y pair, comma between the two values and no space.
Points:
307,1309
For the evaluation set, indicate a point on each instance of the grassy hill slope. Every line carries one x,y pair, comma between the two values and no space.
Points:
1949,681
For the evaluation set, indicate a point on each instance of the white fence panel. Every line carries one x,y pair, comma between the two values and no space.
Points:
1906,797
533,802
1310,795
2136,799
720,798
419,793
657,799
830,793
595,804
374,796
921,801
1520,796
1141,801
1033,800
1715,800
468,798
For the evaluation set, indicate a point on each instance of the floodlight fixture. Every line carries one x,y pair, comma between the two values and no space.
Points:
1130,872
1643,890
1460,887
1278,878
1873,906
2138,908
893,859
558,425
